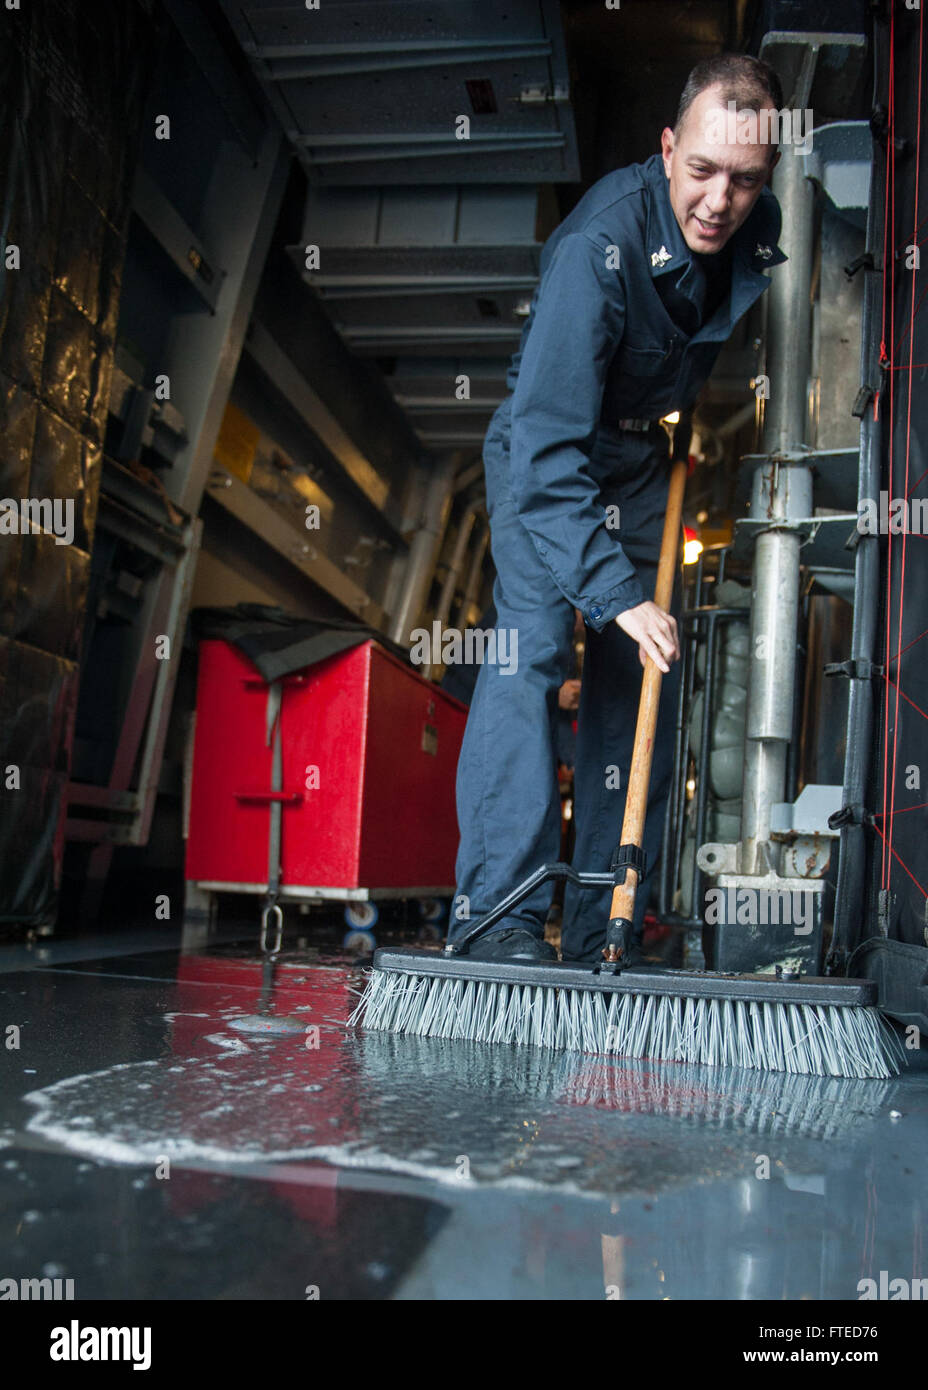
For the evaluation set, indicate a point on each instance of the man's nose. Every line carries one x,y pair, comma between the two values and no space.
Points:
718,195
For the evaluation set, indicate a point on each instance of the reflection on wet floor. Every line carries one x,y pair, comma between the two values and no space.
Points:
509,1172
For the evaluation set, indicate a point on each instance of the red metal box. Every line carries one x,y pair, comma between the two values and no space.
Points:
370,750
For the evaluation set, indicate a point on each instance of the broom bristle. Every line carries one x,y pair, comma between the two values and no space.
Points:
807,1039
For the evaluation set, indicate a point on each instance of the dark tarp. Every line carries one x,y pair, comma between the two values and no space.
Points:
71,94
278,642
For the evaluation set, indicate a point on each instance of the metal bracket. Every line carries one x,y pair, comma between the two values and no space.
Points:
867,259
808,814
535,94
715,858
794,55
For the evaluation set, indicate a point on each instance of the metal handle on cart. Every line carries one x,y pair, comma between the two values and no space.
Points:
269,911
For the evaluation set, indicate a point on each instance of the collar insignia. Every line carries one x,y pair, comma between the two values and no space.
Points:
764,252
661,257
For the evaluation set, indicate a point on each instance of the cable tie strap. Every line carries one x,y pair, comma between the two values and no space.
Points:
628,856
858,669
850,815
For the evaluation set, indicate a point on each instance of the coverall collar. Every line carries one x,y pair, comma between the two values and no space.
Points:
754,249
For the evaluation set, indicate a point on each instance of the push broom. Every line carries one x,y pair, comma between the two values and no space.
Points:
814,1026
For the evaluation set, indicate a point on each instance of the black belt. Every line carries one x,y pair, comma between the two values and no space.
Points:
638,426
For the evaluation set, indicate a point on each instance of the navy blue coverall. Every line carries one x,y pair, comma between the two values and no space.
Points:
615,331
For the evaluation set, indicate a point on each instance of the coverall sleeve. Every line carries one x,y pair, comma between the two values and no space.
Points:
577,325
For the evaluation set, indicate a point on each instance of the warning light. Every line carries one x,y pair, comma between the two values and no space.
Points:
692,546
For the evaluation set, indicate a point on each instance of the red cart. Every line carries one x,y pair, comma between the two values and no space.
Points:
365,775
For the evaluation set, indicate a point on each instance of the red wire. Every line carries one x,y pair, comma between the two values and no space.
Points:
913,641
898,347
917,230
908,445
903,865
906,809
886,227
889,230
919,480
909,701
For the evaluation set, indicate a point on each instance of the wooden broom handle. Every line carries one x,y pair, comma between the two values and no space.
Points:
636,796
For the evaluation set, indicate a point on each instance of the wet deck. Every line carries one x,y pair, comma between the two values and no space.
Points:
378,1167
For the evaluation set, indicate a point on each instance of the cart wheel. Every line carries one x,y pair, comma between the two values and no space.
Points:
362,915
363,943
432,909
433,918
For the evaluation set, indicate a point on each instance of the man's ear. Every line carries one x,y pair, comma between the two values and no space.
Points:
773,163
667,148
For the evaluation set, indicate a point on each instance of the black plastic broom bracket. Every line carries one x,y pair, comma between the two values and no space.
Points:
617,952
625,857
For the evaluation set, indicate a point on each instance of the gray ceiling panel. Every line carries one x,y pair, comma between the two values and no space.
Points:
375,340
476,311
418,380
426,242
370,91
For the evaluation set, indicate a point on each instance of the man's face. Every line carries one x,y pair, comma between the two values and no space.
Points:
713,184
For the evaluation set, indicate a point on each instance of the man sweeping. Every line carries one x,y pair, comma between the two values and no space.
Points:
640,287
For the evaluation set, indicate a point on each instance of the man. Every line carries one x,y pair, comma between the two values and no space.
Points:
640,287
460,680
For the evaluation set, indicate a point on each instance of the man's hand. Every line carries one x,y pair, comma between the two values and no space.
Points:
568,697
655,631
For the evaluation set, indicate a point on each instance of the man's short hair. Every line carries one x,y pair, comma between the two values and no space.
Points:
750,83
